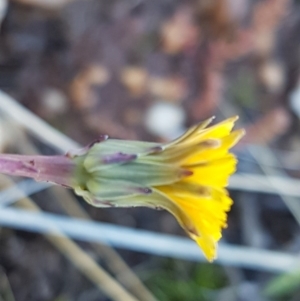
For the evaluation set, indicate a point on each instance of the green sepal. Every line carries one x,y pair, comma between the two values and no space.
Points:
115,190
147,174
100,151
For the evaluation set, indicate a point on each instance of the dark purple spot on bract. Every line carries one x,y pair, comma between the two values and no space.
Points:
146,190
156,149
193,231
118,158
187,173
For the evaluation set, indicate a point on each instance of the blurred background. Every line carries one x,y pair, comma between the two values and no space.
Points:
71,70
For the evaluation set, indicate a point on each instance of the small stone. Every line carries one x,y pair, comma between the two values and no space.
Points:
294,100
54,101
172,89
272,75
135,80
165,120
3,9
82,88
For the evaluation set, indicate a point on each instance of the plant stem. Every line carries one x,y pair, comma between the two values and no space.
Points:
55,169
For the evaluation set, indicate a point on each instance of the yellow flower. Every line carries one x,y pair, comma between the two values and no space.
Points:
187,177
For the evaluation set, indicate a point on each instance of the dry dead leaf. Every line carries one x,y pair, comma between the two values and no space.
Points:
81,88
179,32
171,89
266,18
135,80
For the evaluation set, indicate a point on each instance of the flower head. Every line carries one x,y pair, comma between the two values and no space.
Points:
187,177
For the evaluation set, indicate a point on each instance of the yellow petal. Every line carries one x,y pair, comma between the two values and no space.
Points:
208,246
207,154
205,210
190,132
219,130
213,173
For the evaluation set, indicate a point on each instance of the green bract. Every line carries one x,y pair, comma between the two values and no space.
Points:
104,175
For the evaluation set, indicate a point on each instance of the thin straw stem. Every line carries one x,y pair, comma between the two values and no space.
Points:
145,241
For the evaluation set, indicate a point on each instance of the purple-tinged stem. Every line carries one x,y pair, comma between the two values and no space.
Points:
55,169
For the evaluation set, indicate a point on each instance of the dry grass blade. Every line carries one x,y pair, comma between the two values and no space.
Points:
45,4
146,241
35,125
273,184
116,264
5,288
78,257
265,155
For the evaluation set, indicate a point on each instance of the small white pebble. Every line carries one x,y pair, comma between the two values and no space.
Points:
3,9
272,75
294,100
6,134
54,101
165,120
